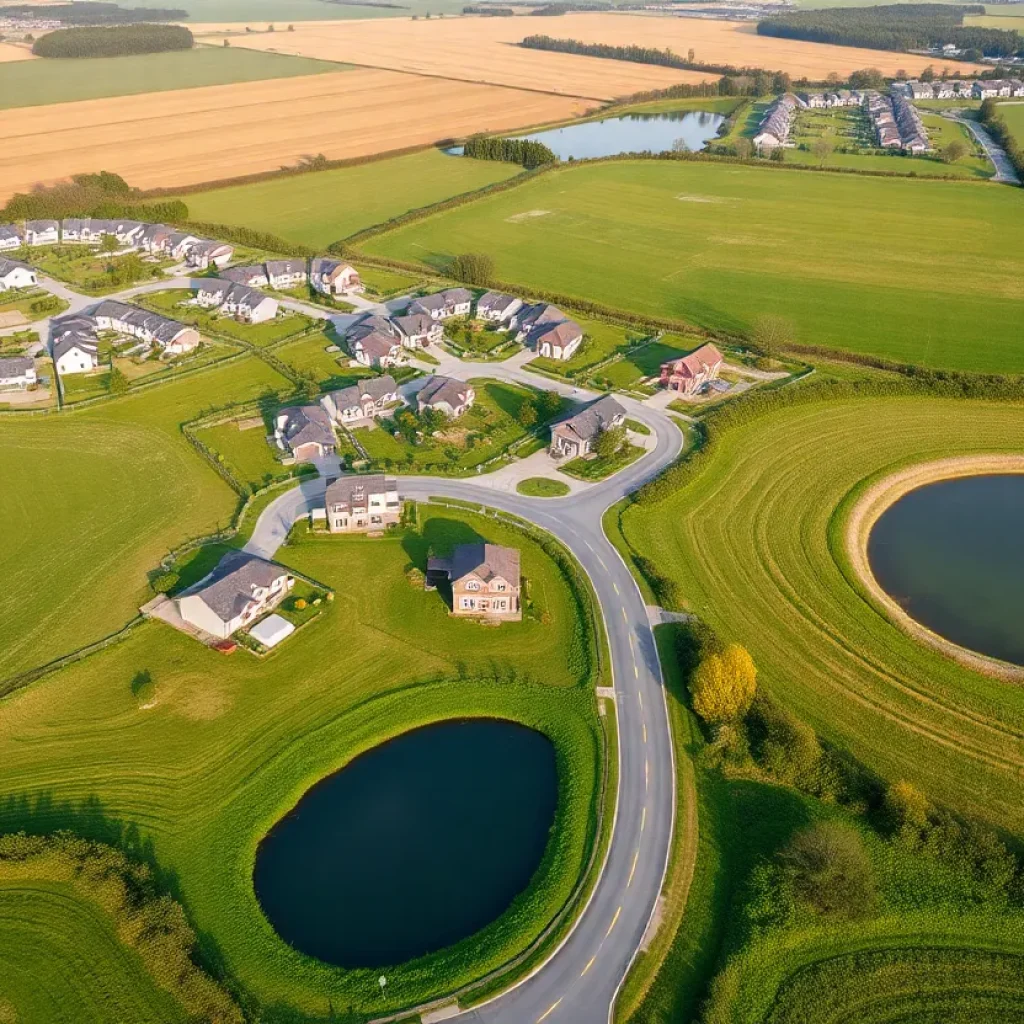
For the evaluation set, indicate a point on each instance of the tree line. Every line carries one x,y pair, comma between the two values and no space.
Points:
103,194
1000,131
113,41
525,152
901,27
85,12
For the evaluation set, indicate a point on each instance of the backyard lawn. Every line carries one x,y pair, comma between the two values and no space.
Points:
600,341
718,246
322,207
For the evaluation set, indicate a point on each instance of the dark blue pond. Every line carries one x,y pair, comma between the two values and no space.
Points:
630,133
414,845
952,555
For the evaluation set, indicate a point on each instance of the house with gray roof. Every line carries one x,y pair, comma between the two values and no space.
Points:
361,504
556,341
497,308
42,232
254,276
284,274
334,277
417,330
361,401
240,590
10,237
14,274
445,395
170,336
17,373
444,305
154,238
305,431
204,254
75,351
576,435
235,299
534,315
486,581
378,349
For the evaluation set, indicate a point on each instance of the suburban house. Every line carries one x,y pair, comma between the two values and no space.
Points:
692,372
168,335
84,231
526,318
773,130
283,274
178,243
920,90
208,254
814,100
154,238
334,277
15,274
556,341
442,305
485,578
377,350
445,394
305,431
17,372
362,400
576,435
418,330
496,308
10,237
75,352
42,232
240,590
237,300
252,277
358,504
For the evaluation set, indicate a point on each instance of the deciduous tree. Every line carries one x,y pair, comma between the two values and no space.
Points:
830,870
723,685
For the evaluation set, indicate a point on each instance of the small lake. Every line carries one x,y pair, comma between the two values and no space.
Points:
414,845
630,133
952,555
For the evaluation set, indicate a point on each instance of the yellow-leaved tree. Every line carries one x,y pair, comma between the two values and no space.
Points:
723,685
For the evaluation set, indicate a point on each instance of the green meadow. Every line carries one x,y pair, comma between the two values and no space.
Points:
322,207
226,745
35,83
1013,115
851,262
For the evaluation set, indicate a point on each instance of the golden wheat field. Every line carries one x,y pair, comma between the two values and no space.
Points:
483,50
185,137
10,51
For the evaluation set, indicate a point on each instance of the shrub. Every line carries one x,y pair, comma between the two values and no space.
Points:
165,582
524,152
830,870
723,685
299,603
472,267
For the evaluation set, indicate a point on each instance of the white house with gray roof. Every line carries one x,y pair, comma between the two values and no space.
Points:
15,274
42,232
334,277
576,435
497,308
237,300
418,330
361,401
361,504
205,254
284,274
17,373
305,431
240,590
444,305
10,237
75,352
445,395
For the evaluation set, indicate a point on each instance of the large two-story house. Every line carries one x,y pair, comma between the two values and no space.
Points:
444,305
690,373
361,401
334,277
361,504
485,580
576,435
445,395
305,431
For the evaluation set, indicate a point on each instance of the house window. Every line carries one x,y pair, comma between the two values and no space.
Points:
467,602
375,519
500,587
340,522
472,585
499,606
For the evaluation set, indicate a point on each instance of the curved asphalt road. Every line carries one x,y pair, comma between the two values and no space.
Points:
578,984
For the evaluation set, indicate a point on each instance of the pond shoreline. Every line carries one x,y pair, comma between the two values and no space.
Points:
869,508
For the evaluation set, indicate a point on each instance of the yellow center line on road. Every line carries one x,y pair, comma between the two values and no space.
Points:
550,1010
643,819
647,774
615,588
632,870
640,697
624,616
612,925
590,963
645,732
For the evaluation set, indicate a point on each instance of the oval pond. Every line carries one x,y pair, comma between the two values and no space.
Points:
413,845
951,554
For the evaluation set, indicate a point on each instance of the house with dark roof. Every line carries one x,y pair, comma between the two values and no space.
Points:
485,579
203,255
154,238
497,308
377,349
170,336
305,431
445,395
284,274
361,401
526,318
418,330
361,504
17,373
10,237
254,276
556,341
234,299
444,305
75,352
689,374
334,277
42,232
576,435
240,590
15,274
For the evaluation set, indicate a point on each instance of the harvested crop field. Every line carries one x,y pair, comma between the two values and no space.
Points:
192,136
480,49
9,52
470,49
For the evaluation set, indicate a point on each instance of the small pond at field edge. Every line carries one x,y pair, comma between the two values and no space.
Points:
628,133
413,845
951,554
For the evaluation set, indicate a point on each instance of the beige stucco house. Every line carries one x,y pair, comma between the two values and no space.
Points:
485,578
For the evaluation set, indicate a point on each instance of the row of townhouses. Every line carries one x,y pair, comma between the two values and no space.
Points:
897,124
773,131
828,100
981,89
326,275
74,339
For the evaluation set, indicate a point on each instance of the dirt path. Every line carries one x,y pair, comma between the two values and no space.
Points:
869,509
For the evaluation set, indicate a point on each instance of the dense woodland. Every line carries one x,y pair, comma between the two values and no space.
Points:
103,194
89,13
524,152
896,27
113,41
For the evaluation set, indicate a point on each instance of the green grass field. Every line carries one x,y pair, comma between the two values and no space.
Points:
718,245
256,12
122,474
34,83
750,542
600,341
232,743
61,960
1013,115
322,207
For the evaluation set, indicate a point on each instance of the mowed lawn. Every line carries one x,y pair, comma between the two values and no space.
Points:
325,206
233,742
1013,115
95,499
34,83
853,262
62,960
750,542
